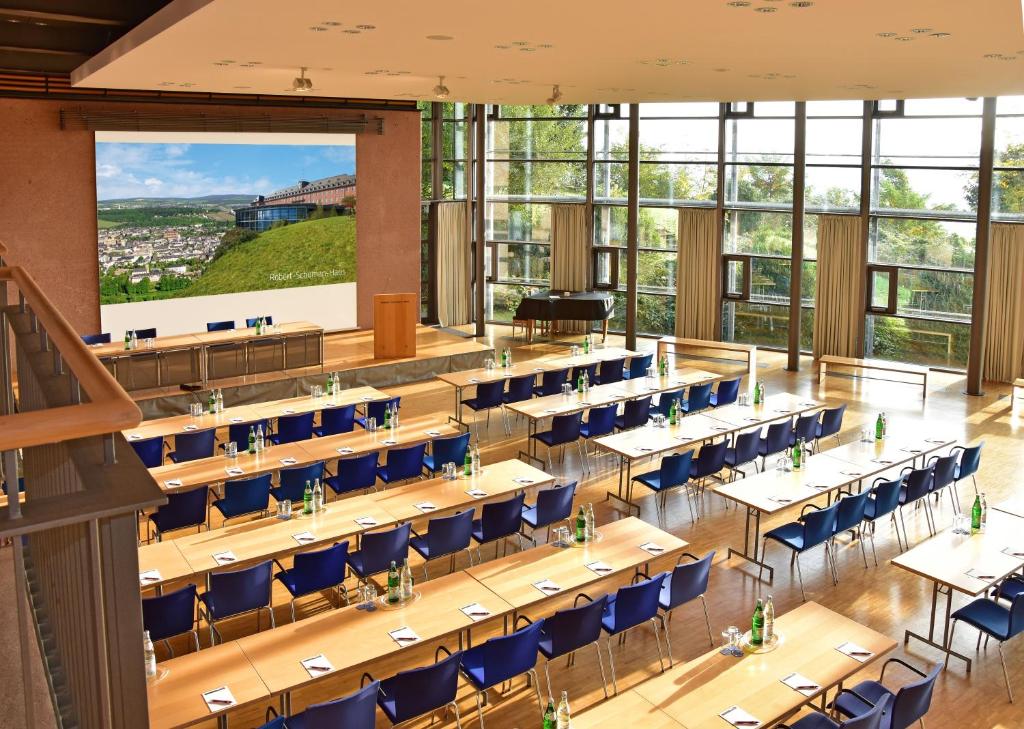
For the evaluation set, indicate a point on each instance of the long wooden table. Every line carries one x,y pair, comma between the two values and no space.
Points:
858,364
696,693
682,344
971,564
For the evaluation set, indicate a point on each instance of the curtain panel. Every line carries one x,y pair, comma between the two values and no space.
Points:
1004,315
454,262
841,270
570,254
697,275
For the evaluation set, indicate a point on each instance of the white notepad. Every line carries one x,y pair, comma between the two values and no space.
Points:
134,436
366,521
801,684
346,450
219,699
289,461
477,493
317,665
475,611
304,537
426,506
404,636
854,651
600,568
173,482
191,427
149,577
652,548
234,471
523,480
740,718
226,557
548,587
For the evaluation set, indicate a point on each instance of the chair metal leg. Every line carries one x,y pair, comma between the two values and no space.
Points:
600,665
799,574
536,687
657,640
863,552
949,640
547,675
611,664
1006,676
764,546
480,709
707,621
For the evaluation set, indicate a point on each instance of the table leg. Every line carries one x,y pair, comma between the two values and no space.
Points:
625,482
604,331
750,551
937,590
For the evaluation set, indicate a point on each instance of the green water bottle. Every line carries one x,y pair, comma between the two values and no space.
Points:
549,714
387,417
212,403
976,515
467,464
586,345
672,412
581,525
879,427
579,384
307,499
252,439
796,456
757,625
128,340
394,585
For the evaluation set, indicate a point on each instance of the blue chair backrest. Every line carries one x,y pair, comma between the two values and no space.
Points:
403,463
149,333
220,326
380,549
247,495
745,446
831,421
601,420
172,613
376,408
638,365
636,412
291,428
689,580
337,420
590,369
488,394
918,482
292,481
238,591
507,656
675,469
970,459
728,391
566,428
637,603
912,701
611,370
359,472
450,450
358,710
520,388
193,445
575,627
1017,615
819,526
501,518
415,692
851,511
945,470
699,397
551,381
447,534
555,504
711,459
666,399
871,719
239,432
251,322
276,723
886,495
183,508
777,438
320,569
806,427
150,451
96,338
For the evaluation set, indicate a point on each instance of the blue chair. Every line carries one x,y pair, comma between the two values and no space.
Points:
273,720
565,429
1009,588
150,451
375,409
611,370
498,521
638,366
665,401
815,528
238,433
884,499
446,450
220,326
291,428
850,517
871,720
171,614
401,464
553,505
917,482
235,593
970,461
96,338
776,440
519,389
569,630
251,322
501,659
354,474
551,382
634,413
590,369
907,705
411,694
193,445
334,420
149,333
446,536
699,398
994,621
489,395
323,569
744,450
687,581
830,424
377,550
600,421
673,472
183,509
291,482
944,476
630,607
245,496
358,710
708,463
806,428
727,393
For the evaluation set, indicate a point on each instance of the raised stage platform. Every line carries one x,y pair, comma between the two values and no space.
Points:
348,353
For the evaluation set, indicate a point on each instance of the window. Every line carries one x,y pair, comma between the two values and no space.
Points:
1008,168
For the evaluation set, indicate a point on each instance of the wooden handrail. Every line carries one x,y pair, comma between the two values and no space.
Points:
109,409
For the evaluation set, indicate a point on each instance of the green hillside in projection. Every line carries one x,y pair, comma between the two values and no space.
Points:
310,253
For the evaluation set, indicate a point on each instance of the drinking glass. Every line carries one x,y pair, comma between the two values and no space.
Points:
196,409
284,509
318,391
735,635
371,424
369,595
231,449
566,389
744,399
489,364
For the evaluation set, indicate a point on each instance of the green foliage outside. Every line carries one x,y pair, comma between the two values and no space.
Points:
152,216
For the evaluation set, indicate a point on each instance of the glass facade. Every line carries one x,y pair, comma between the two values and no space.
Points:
263,217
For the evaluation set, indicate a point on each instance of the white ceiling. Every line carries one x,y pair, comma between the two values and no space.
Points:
597,50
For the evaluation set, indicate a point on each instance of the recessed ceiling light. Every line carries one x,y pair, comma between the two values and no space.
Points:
904,38
243,87
40,22
503,47
439,37
886,34
738,4
801,4
992,55
765,9
545,45
332,23
353,31
920,31
940,35
527,50
720,70
318,29
364,26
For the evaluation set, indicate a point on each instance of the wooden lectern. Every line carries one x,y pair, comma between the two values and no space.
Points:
394,325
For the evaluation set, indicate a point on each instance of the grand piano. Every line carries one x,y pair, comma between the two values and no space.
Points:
555,306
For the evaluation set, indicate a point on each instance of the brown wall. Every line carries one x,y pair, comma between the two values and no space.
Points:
48,208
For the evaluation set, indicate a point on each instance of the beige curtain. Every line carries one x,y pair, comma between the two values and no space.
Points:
1004,340
697,275
570,254
454,259
841,267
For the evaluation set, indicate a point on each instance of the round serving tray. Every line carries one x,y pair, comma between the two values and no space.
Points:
383,604
767,647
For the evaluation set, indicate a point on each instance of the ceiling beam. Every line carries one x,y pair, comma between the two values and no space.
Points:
43,51
47,17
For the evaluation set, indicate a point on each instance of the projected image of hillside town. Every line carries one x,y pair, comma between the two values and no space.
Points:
192,219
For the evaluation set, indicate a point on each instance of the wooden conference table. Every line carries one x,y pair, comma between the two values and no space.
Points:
184,358
695,694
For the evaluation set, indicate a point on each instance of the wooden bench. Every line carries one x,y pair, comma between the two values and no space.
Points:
856,363
1018,384
748,352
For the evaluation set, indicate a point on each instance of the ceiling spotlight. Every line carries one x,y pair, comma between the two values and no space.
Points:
441,91
556,95
302,84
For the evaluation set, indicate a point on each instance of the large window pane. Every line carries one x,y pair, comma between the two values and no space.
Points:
675,182
541,179
538,140
657,227
832,188
752,323
610,181
759,140
934,293
922,242
611,139
834,141
953,142
681,140
754,232
656,271
655,314
908,190
502,299
609,225
934,343
524,263
769,280
1008,194
518,221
